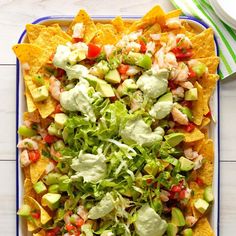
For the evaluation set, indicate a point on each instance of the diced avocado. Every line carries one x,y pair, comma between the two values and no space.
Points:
187,232
145,62
38,80
69,86
24,210
151,168
63,167
51,200
93,80
174,139
105,90
100,69
58,145
172,230
40,187
40,94
168,97
51,178
208,194
60,120
54,188
199,69
187,112
191,95
26,132
113,77
127,86
139,59
186,164
53,130
64,183
75,56
177,217
201,205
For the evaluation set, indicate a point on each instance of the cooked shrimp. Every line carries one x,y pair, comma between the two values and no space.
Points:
164,196
150,48
82,212
183,41
24,159
198,162
179,117
108,49
182,72
173,23
187,85
178,92
49,167
190,154
54,153
55,88
133,70
171,43
28,144
190,220
167,60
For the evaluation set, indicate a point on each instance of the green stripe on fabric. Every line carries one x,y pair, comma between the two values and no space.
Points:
175,4
227,66
218,30
207,4
221,74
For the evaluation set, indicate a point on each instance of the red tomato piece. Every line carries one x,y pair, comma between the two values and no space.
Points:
93,50
50,139
182,194
208,114
123,69
34,155
70,227
59,73
190,127
58,108
182,54
171,84
77,40
199,181
191,74
175,189
50,233
113,99
149,181
155,185
143,47
188,104
35,215
79,222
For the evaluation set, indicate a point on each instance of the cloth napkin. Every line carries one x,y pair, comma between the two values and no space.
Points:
225,35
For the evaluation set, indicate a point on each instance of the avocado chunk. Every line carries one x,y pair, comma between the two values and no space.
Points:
199,69
53,130
187,112
139,59
151,167
64,183
24,210
60,120
127,86
105,90
75,56
201,205
208,194
191,95
177,217
40,187
168,97
51,200
54,188
174,139
186,164
51,178
40,94
26,132
145,62
93,80
172,230
58,145
38,80
113,77
187,232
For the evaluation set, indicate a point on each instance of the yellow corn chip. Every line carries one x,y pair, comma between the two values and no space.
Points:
37,169
203,44
207,150
211,63
28,188
58,31
26,171
193,136
46,107
206,172
29,101
188,27
32,116
156,14
31,54
90,27
203,228
119,24
40,233
174,13
198,105
44,216
32,226
33,31
154,29
205,122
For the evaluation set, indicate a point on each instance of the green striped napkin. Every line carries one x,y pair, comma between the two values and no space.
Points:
225,35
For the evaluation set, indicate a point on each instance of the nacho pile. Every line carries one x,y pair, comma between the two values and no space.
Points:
115,136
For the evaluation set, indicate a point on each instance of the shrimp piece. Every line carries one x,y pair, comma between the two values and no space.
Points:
49,167
190,154
187,85
24,159
178,92
170,60
82,212
150,48
54,153
198,162
171,43
190,220
108,49
167,60
164,196
133,70
182,72
173,23
28,144
183,41
55,88
179,117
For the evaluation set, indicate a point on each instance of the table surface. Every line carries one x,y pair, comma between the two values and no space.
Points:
13,16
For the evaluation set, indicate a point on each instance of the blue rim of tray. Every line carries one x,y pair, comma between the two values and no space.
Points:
61,17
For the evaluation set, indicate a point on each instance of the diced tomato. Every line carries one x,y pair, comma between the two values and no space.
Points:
70,227
58,108
143,47
190,127
175,189
149,181
191,74
182,194
93,50
123,69
35,215
59,73
208,114
188,104
171,84
77,40
182,54
50,139
50,233
79,222
155,185
113,99
34,155
199,181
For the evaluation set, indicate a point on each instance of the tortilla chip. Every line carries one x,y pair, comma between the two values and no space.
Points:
119,24
203,44
211,63
46,107
28,188
206,172
32,116
44,216
40,233
193,136
90,27
198,105
188,27
205,122
208,83
154,29
207,150
37,169
33,31
26,171
31,226
31,54
156,14
58,31
203,228
173,14
29,101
